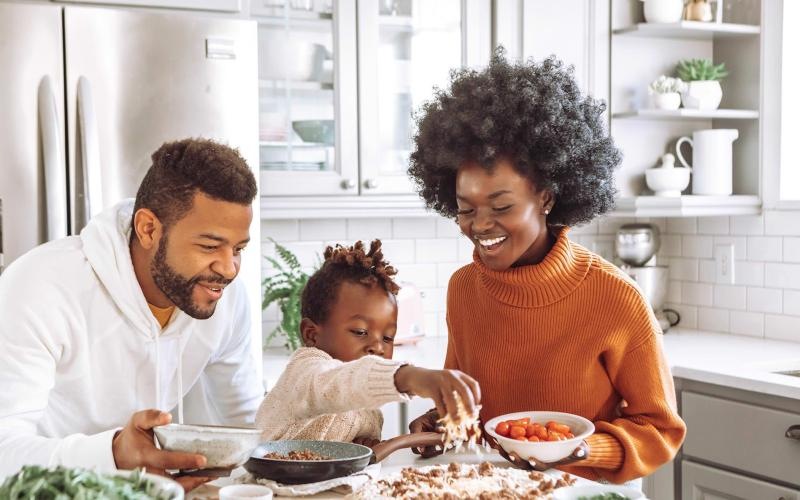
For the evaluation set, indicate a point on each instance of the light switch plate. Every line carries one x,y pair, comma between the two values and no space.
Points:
726,268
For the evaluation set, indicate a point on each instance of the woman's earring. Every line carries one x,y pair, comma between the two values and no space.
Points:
547,211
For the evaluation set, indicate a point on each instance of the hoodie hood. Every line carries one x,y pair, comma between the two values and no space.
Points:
106,245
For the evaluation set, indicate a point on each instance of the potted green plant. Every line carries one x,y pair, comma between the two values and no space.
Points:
286,288
665,92
703,89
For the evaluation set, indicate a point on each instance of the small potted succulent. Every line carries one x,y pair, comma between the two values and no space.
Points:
703,90
665,92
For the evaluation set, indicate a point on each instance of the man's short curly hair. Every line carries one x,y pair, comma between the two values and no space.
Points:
182,168
530,113
353,264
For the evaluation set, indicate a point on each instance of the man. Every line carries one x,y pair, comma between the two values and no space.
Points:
117,324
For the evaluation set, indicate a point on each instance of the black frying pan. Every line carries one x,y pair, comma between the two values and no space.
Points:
346,458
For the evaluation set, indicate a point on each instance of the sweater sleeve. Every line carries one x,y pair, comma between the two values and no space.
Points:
649,431
314,384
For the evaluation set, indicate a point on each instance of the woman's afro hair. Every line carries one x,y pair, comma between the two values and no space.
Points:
342,263
530,113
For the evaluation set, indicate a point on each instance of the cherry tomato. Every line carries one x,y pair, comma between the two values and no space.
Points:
516,432
534,439
530,430
502,429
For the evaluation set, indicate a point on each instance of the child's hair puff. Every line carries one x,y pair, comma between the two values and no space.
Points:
346,263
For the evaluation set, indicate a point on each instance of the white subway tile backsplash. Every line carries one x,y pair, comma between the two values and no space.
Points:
782,327
414,227
421,275
437,250
730,297
465,249
447,228
766,300
782,275
747,323
791,302
739,245
434,299
791,249
671,245
308,253
697,246
590,228
444,271
610,225
749,273
683,269
764,248
707,271
715,320
280,230
682,225
399,252
688,314
697,294
324,229
713,225
368,229
747,225
782,222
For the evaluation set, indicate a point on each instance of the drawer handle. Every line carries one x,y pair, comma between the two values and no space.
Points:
793,432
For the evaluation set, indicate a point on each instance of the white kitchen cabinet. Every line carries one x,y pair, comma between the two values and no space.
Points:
353,71
701,482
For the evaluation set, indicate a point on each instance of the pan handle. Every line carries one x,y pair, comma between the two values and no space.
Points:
417,439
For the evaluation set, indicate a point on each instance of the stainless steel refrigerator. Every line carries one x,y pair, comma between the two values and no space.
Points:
88,93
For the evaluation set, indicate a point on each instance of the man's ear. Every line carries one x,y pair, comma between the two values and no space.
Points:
147,227
309,331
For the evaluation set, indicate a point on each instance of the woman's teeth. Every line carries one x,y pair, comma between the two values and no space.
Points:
491,242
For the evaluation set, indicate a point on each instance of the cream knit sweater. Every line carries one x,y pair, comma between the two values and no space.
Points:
321,398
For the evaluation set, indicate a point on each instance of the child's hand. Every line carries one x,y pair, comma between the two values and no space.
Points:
440,386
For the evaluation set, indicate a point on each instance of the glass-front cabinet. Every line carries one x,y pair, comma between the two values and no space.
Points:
339,80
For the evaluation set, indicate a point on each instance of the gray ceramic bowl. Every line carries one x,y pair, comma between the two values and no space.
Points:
223,447
321,131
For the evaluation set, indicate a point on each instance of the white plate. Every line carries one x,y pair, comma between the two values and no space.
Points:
589,490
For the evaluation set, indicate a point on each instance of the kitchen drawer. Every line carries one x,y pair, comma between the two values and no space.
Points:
701,482
740,435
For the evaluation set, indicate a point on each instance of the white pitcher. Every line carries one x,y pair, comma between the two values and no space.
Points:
712,171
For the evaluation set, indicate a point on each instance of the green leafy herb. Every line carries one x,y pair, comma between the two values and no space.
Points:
692,70
605,496
62,483
285,288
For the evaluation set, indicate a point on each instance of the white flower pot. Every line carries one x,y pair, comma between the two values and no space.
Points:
670,100
663,11
702,95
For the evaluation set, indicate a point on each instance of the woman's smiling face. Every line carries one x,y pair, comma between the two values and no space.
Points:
503,214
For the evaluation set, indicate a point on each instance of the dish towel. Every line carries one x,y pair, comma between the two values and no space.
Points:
344,485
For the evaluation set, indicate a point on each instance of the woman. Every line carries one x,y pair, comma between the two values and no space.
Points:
516,155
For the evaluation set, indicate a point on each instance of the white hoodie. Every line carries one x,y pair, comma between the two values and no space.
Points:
80,352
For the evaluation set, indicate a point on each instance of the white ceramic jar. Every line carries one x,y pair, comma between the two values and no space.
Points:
663,11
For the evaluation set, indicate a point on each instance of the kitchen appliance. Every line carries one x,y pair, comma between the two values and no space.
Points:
410,315
89,93
636,246
712,169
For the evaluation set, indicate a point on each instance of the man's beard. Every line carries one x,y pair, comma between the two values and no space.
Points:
177,288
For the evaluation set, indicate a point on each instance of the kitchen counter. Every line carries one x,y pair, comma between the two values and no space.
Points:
393,463
729,360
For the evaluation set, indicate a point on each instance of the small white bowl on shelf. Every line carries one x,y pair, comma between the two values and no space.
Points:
667,180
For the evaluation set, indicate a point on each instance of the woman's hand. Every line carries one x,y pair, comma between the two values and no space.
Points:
442,386
427,422
579,453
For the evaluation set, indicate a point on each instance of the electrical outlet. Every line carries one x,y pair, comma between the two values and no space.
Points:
726,269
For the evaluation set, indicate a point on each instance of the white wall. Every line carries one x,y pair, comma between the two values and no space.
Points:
764,302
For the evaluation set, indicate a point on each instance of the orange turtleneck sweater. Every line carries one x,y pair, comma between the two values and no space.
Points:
572,334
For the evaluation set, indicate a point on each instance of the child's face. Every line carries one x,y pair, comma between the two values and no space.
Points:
362,321
502,214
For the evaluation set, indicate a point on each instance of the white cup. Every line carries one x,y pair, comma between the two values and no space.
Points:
245,492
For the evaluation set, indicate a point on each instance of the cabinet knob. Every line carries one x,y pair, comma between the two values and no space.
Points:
793,432
348,184
371,184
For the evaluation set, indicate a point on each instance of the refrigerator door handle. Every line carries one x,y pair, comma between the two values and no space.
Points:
89,152
55,173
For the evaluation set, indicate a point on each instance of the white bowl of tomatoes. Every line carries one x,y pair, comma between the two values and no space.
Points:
543,436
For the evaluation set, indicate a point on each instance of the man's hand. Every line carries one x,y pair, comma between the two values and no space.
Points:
579,453
365,441
441,386
134,447
427,422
